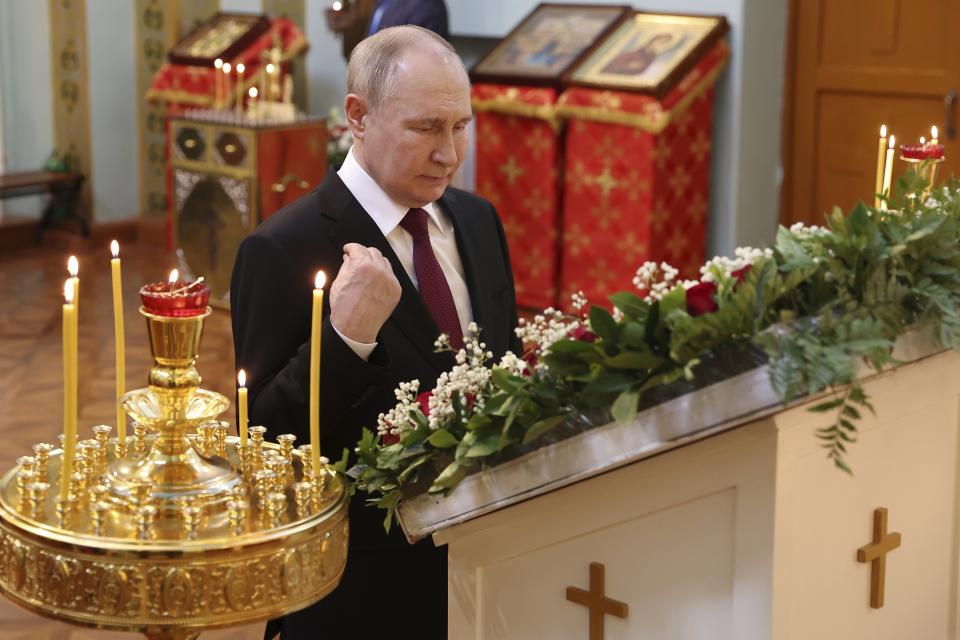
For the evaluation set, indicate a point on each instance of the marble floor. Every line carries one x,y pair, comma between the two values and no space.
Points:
31,285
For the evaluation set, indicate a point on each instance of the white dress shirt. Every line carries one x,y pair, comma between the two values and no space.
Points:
387,215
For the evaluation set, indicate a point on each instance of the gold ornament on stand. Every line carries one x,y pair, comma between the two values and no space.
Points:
181,529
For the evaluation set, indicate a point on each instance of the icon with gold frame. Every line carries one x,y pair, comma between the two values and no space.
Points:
548,42
223,36
649,52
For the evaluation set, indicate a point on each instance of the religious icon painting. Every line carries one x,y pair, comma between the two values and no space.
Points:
547,43
223,36
649,52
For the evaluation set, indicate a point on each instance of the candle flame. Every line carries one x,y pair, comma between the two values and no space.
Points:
892,141
240,67
226,67
934,132
68,291
320,280
115,248
883,131
174,276
218,63
242,378
73,267
270,67
337,5
253,92
923,141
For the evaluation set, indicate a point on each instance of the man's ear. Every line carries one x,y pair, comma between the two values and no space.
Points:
356,109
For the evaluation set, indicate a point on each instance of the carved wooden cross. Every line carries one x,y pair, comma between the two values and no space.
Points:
595,600
876,555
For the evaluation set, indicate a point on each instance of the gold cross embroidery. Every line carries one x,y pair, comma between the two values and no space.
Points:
511,170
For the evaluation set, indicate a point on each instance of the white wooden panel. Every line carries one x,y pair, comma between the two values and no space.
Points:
673,568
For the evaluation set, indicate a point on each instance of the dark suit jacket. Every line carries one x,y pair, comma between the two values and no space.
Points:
429,14
271,299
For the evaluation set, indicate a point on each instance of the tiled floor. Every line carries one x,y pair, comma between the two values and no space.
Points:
31,284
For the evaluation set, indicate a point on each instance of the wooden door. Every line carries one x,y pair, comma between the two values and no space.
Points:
854,65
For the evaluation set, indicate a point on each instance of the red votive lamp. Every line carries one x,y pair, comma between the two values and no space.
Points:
919,152
175,297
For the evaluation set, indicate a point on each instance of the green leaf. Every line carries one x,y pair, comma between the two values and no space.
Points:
449,478
624,408
633,360
443,439
603,324
829,405
505,380
541,427
630,304
484,446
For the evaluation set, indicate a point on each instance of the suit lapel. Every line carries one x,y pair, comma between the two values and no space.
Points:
411,316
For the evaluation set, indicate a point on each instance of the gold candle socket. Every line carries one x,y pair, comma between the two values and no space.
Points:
145,518
98,517
927,169
191,521
286,441
222,431
41,453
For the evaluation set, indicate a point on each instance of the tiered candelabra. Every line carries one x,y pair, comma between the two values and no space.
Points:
180,528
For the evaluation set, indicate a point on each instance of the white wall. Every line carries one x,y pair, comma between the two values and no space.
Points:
326,68
744,188
27,109
111,72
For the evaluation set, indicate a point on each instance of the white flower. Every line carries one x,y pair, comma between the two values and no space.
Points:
545,329
578,300
514,364
721,267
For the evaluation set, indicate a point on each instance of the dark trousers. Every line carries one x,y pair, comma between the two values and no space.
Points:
400,593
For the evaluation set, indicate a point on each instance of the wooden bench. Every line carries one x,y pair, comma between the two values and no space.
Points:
63,187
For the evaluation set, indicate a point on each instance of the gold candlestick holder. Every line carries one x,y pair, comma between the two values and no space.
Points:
927,168
176,538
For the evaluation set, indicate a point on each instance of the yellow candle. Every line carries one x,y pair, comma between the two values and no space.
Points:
888,170
240,70
226,83
242,406
217,78
268,82
320,280
118,339
881,149
69,388
73,268
934,135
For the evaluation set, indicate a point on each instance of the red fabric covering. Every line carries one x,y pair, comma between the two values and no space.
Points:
636,190
183,86
518,161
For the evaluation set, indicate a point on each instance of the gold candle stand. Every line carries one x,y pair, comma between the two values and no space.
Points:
171,536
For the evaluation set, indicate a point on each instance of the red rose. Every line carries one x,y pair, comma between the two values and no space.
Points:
424,400
700,299
582,334
389,438
531,359
741,273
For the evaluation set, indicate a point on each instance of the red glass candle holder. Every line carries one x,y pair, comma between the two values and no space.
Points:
180,299
921,151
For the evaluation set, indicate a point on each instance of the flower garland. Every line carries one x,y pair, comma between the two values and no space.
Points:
817,303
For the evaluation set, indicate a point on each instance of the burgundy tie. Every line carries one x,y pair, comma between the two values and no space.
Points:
433,285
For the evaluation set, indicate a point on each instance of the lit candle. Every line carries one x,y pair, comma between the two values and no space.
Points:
888,170
73,268
881,148
69,387
217,78
226,83
268,80
242,406
118,339
240,69
252,93
934,135
337,6
173,277
319,281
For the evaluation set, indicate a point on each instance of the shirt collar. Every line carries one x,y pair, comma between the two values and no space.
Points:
386,213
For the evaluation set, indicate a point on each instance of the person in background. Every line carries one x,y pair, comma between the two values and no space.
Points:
354,20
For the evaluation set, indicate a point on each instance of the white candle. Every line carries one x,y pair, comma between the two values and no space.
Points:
888,170
315,335
226,83
118,339
240,69
242,406
217,78
934,135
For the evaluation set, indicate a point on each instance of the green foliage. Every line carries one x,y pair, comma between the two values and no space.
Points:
829,301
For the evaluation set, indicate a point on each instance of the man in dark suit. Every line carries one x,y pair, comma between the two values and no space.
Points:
411,257
360,18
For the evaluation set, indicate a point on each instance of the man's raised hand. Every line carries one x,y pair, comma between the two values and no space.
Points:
364,294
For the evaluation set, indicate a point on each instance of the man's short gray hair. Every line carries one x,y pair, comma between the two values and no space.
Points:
371,72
